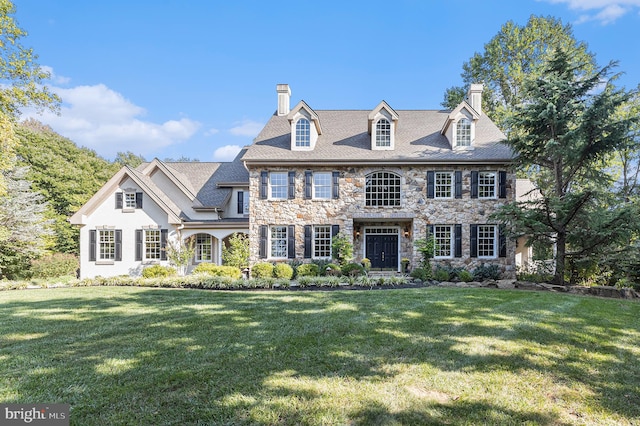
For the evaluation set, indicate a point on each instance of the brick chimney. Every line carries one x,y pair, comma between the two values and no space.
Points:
474,97
284,96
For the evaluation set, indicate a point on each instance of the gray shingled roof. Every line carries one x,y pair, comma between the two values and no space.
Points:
345,139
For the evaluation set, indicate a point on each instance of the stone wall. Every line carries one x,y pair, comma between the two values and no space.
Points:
349,211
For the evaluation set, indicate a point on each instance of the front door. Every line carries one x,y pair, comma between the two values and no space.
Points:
382,251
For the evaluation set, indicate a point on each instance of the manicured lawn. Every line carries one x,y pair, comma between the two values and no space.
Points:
133,356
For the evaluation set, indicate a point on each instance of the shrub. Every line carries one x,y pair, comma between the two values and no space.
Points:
156,271
366,263
308,270
441,274
353,270
332,270
282,270
322,265
465,276
236,251
218,270
422,274
55,265
262,270
294,263
342,248
486,272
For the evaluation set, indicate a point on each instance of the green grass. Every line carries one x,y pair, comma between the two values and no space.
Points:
122,355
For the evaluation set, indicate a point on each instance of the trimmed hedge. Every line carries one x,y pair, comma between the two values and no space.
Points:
156,271
55,265
262,270
308,270
218,270
283,270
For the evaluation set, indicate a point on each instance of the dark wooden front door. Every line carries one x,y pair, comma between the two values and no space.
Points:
382,251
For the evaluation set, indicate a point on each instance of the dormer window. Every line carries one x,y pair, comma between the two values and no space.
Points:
303,135
463,132
383,133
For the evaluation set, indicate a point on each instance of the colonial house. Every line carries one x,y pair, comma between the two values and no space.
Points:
382,177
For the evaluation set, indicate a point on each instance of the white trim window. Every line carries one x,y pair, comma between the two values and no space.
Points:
443,238
463,132
278,242
152,244
303,133
322,185
487,241
203,248
487,184
129,200
383,133
278,185
443,187
382,189
321,242
106,244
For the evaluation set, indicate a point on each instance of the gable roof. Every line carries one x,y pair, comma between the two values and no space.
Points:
345,140
454,113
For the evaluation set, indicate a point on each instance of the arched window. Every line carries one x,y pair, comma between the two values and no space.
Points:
203,248
383,133
463,132
302,133
382,189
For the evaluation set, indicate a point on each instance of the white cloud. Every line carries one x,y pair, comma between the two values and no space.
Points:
246,128
226,153
603,11
55,78
104,120
211,132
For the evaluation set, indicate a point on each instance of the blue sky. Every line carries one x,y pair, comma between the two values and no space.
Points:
197,78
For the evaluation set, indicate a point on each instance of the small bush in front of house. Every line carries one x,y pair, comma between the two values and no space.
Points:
322,266
218,270
422,274
282,270
353,270
294,263
366,264
156,271
262,270
308,270
465,276
332,270
486,272
441,274
55,265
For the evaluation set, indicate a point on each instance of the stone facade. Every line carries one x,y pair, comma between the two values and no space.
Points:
410,219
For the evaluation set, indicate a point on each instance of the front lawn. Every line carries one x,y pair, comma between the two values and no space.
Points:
126,355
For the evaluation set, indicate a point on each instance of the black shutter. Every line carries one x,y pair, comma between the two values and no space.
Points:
502,242
430,237
457,239
458,183
336,185
502,184
118,240
307,241
163,243
240,202
263,242
139,234
118,200
138,200
473,241
431,184
335,230
291,241
264,184
292,185
474,184
308,185
92,245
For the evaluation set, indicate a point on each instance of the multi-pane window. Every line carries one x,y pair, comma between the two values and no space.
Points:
443,235
278,185
203,248
463,132
486,241
152,244
303,138
443,184
322,185
322,241
486,184
382,189
278,241
383,133
129,200
106,244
